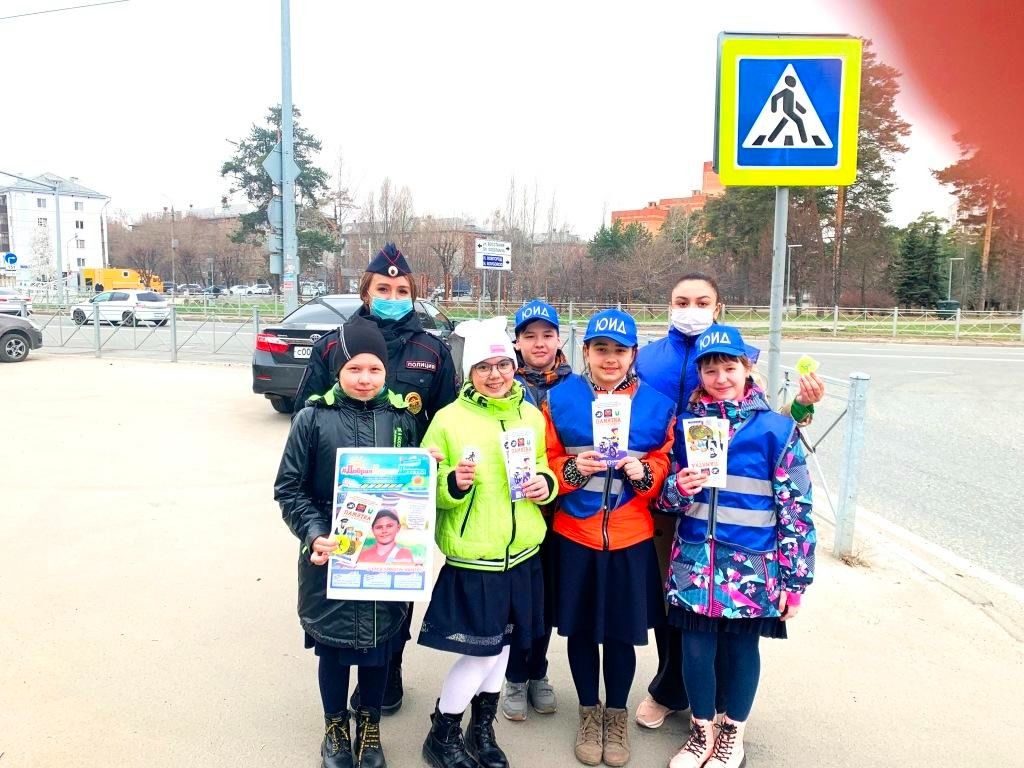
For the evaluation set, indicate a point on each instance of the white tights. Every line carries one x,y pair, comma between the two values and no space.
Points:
469,676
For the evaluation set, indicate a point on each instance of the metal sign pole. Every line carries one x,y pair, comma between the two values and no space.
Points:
290,269
775,316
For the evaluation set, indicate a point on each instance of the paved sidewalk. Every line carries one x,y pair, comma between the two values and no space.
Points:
147,608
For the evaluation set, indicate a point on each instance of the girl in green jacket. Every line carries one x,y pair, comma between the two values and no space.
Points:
490,592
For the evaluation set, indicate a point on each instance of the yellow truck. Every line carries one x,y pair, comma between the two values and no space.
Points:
114,278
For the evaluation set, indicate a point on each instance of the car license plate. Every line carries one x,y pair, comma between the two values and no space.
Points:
302,351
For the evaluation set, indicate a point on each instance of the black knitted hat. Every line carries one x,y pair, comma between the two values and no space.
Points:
356,337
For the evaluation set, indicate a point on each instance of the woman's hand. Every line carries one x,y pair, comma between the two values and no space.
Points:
321,551
590,463
690,481
633,468
536,489
787,610
465,472
812,389
436,454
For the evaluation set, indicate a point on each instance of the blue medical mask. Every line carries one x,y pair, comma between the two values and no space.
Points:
390,309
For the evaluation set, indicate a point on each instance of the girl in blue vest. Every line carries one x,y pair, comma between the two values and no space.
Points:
608,584
743,554
669,365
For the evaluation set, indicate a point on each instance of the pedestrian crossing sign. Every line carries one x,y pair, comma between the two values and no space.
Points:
787,110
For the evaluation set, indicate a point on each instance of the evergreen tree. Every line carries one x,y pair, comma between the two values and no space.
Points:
917,279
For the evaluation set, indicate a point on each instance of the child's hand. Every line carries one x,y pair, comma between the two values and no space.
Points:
690,481
436,454
536,489
632,467
321,550
786,609
590,463
465,472
812,389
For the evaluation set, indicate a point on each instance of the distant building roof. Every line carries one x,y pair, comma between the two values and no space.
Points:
69,187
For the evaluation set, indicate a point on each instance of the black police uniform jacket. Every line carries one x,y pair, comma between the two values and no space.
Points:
304,488
418,363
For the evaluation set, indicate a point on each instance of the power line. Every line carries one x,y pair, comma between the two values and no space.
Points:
58,10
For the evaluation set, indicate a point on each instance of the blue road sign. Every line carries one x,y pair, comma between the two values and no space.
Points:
787,110
493,261
10,259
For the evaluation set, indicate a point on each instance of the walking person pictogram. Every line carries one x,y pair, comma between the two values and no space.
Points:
789,103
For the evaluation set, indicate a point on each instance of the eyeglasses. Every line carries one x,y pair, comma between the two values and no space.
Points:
505,367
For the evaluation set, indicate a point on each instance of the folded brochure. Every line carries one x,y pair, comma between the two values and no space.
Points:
611,427
707,448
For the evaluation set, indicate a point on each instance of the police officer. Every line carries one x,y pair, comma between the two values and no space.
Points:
420,367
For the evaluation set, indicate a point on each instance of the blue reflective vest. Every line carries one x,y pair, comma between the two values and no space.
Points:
570,404
743,515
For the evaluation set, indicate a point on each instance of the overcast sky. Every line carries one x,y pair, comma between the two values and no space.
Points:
605,105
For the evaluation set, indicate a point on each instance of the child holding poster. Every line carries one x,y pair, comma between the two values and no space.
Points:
359,411
490,591
743,553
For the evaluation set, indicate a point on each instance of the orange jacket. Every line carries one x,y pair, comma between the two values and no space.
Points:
626,525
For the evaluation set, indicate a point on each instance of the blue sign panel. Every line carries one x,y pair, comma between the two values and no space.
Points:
788,112
10,259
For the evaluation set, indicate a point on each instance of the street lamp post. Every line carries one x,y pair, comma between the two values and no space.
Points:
789,270
949,284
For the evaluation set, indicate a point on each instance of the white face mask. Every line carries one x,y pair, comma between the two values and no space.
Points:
691,321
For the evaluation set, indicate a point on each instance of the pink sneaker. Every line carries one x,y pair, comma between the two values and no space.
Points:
651,714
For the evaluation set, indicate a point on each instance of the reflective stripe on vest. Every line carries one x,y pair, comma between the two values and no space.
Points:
570,403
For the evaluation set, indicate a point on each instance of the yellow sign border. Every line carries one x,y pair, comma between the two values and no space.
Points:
731,48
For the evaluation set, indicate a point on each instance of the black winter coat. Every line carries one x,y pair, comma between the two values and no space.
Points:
417,362
304,488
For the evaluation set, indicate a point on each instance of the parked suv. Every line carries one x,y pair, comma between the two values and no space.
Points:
17,337
260,289
283,348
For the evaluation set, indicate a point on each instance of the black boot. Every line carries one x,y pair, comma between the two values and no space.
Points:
367,747
336,750
480,741
444,747
393,693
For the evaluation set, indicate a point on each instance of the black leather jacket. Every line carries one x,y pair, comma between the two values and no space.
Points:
304,488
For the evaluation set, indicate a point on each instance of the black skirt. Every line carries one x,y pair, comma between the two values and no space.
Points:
614,594
688,621
477,613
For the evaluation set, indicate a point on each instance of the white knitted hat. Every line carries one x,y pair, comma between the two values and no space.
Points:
484,339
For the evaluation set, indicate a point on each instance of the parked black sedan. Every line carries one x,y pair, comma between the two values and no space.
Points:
283,348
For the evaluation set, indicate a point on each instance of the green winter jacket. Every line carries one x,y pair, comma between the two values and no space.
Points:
482,528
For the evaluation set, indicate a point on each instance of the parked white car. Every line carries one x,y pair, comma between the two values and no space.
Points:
127,307
11,301
260,289
238,290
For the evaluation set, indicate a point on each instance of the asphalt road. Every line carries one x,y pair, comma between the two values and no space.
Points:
944,442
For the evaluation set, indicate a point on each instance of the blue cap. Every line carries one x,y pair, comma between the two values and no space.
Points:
722,340
535,309
612,324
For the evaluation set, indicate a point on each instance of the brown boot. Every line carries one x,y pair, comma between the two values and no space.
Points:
616,737
590,736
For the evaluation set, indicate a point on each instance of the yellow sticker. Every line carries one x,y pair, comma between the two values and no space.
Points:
806,365
343,545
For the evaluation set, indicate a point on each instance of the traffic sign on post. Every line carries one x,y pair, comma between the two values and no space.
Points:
272,165
10,259
275,213
787,110
493,254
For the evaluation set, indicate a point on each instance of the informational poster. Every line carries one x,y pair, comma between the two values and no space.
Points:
383,523
611,427
707,448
